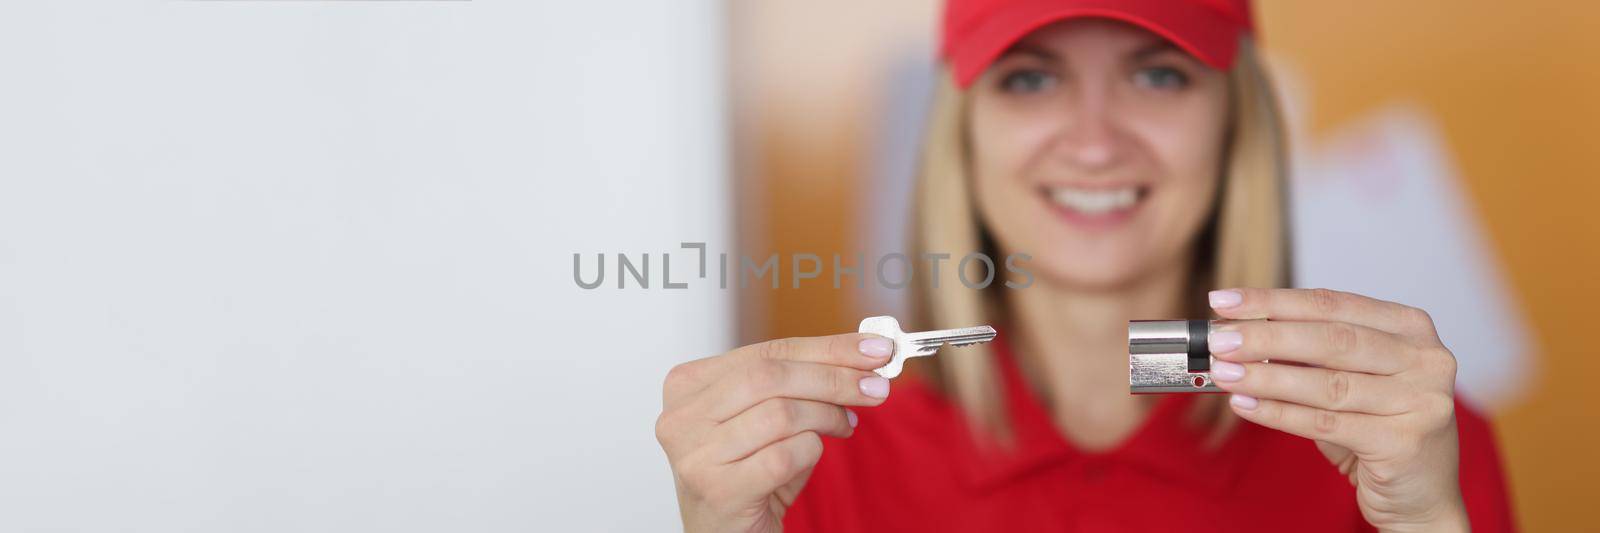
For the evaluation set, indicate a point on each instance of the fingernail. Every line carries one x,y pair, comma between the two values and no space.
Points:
876,347
851,416
1226,371
1244,402
1224,341
875,386
1225,299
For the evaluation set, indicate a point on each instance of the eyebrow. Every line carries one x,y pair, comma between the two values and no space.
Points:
1142,53
1030,49
1157,48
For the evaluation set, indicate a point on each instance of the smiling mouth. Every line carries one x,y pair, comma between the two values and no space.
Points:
1096,201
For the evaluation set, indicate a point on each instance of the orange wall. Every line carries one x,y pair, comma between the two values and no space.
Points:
1512,85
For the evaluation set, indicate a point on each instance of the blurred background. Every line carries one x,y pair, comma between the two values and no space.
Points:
309,266
1444,157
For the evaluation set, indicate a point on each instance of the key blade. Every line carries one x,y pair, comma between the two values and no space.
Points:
969,341
953,337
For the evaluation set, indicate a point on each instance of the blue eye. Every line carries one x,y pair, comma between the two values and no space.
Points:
1161,78
1027,81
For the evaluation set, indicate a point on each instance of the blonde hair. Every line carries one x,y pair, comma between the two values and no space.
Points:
1244,244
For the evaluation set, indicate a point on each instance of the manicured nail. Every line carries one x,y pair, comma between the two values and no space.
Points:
1225,299
1224,341
875,386
1244,402
1226,371
876,347
851,416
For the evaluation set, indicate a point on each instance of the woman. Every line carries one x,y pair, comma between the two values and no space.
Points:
1132,148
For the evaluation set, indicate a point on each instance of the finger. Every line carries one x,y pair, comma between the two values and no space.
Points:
773,466
680,432
1356,431
773,420
864,351
1334,390
1336,345
1320,305
760,379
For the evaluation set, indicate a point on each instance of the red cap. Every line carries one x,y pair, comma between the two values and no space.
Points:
978,31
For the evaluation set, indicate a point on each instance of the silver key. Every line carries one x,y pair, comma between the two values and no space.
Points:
907,345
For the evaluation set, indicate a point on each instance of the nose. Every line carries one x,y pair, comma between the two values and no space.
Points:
1089,139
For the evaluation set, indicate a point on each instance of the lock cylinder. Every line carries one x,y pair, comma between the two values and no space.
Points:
1172,337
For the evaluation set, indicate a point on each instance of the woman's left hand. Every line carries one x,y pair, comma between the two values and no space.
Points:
1373,387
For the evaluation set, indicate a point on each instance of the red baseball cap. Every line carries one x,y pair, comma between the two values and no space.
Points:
977,31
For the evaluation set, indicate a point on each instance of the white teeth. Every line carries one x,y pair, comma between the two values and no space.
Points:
1094,201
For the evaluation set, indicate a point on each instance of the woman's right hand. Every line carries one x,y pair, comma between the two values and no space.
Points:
742,429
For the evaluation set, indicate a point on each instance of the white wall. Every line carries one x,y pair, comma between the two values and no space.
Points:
306,266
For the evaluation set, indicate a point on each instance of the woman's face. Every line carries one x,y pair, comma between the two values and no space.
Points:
1097,148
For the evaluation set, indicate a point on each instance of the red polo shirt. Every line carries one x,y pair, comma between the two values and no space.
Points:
913,466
